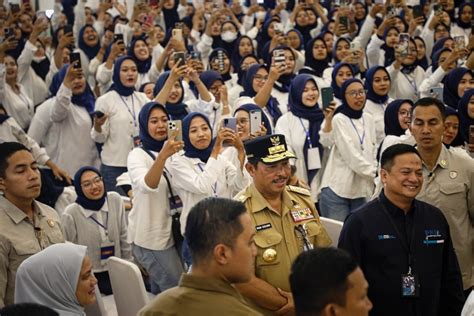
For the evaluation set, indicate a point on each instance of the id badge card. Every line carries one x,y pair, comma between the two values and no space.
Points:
136,138
314,161
175,204
107,249
410,285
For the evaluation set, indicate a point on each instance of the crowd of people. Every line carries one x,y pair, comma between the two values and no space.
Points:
127,128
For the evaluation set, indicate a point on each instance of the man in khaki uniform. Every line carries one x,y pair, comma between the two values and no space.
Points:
448,182
285,220
26,226
220,237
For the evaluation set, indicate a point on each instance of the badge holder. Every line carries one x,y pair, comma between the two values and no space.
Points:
410,285
314,161
107,249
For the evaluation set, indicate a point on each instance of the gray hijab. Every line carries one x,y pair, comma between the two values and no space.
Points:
50,278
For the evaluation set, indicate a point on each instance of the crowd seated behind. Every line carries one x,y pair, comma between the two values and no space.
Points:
123,122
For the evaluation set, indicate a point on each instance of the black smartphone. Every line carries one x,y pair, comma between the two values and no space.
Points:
417,11
75,57
118,38
327,95
67,29
14,8
438,9
344,21
98,114
179,57
8,31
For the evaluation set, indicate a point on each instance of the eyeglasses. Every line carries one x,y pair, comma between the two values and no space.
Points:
354,93
260,78
88,184
404,113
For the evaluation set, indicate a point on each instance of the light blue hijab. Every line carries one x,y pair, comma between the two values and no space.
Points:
50,278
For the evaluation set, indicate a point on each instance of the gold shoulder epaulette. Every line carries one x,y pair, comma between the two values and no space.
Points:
242,197
299,190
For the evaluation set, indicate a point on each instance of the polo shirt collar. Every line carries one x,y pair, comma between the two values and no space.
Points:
88,213
15,213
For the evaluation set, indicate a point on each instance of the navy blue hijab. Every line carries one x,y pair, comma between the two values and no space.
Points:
369,85
345,108
392,124
465,120
178,110
143,66
85,99
439,44
459,22
317,66
284,81
451,82
236,57
241,72
436,56
336,89
208,77
389,51
272,104
226,76
90,52
313,114
458,139
423,62
253,107
189,150
117,83
149,142
82,200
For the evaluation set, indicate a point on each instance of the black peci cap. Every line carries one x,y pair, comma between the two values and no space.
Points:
268,149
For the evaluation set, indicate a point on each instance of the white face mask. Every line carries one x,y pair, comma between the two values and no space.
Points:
260,15
228,36
207,16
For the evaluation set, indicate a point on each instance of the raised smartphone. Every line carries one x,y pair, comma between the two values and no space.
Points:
255,121
327,95
174,126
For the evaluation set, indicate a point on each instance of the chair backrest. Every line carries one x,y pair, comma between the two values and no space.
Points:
333,227
128,287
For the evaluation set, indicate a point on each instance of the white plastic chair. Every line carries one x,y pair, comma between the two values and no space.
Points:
127,284
333,227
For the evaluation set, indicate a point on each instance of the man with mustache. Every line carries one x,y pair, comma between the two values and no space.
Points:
403,245
26,226
285,220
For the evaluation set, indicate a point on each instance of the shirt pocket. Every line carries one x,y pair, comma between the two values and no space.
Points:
267,242
453,196
55,236
451,188
317,234
26,247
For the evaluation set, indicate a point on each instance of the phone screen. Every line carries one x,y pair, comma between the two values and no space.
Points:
327,96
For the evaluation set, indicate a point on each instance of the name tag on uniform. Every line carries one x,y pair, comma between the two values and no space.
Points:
314,161
107,249
263,226
302,215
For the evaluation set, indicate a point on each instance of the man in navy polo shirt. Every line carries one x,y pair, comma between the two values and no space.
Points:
404,245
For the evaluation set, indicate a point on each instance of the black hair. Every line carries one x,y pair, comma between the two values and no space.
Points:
7,150
428,101
318,278
210,222
27,309
388,156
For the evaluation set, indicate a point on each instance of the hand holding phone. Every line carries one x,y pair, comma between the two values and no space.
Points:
327,95
255,121
75,59
174,128
179,58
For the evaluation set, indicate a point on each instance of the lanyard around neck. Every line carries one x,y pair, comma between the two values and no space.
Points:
308,138
361,138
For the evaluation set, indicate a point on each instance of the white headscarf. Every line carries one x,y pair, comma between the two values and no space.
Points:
50,278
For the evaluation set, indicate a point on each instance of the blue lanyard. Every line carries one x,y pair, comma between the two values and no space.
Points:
308,138
213,187
412,83
132,111
361,139
105,227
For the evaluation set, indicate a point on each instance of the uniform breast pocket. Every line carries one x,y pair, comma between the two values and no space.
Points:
55,236
26,247
454,196
452,188
317,234
268,244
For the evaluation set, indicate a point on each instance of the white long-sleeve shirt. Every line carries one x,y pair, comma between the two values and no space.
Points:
149,221
18,106
431,81
405,86
196,180
64,128
120,127
351,166
377,111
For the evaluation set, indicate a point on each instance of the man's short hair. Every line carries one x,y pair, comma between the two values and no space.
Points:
320,277
7,150
210,222
27,309
388,156
428,101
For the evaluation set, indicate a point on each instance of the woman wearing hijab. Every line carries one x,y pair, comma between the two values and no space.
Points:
281,86
377,84
236,90
140,52
62,124
443,62
155,241
117,129
348,179
224,67
421,52
64,282
317,61
340,73
169,90
451,136
462,26
396,123
406,75
97,220
301,126
88,43
456,83
466,115
243,47
381,48
201,171
258,85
